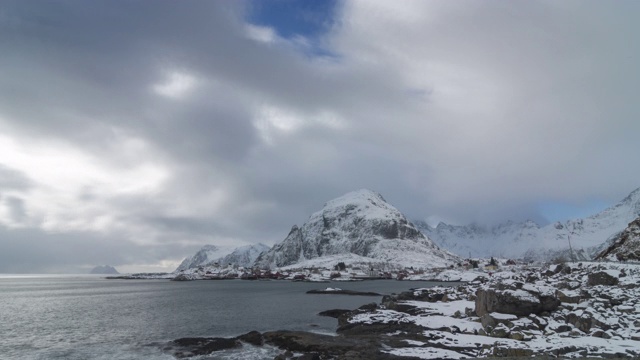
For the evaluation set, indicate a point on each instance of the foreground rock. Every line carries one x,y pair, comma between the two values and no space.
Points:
562,311
576,310
293,344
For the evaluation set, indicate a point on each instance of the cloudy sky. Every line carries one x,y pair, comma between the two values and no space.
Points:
132,133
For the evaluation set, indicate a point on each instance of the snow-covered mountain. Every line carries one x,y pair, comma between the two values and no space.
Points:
210,254
204,256
360,225
534,242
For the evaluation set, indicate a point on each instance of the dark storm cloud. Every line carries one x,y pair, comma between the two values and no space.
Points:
467,111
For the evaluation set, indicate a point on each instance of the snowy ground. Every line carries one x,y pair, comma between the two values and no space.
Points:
592,320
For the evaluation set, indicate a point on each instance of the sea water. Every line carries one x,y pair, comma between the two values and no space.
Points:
89,317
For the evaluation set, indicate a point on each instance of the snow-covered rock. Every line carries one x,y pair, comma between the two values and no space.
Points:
625,246
531,241
359,223
603,322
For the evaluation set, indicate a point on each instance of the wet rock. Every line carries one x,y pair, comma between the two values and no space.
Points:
602,278
334,313
253,338
188,347
360,329
370,306
325,346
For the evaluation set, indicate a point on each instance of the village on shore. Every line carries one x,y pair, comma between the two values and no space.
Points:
466,270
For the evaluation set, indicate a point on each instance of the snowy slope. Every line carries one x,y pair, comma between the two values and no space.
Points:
361,223
531,241
204,256
244,256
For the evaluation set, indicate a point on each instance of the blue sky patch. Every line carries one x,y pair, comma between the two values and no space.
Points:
291,18
561,211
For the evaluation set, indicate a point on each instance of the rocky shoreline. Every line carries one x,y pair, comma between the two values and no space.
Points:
570,310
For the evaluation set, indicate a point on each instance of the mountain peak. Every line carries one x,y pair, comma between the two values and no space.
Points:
355,197
362,203
361,224
633,197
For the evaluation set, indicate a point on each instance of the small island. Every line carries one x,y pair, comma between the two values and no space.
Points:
104,270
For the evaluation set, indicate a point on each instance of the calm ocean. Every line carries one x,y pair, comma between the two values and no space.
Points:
88,317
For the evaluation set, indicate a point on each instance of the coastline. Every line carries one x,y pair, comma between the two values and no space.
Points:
513,314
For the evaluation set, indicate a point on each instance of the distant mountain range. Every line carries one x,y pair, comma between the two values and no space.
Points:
362,228
530,241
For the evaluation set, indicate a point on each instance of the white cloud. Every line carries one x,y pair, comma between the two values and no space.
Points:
176,85
263,34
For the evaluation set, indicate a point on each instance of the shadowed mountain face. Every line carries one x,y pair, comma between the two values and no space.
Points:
361,223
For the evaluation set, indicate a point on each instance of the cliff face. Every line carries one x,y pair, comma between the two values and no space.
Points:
626,246
361,223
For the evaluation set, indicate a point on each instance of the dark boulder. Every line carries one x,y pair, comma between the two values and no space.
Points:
602,278
518,302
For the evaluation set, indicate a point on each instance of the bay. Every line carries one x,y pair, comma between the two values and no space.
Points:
89,317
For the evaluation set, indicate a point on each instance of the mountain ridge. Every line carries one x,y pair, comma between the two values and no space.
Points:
360,223
530,241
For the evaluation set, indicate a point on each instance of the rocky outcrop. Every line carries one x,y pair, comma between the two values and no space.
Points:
188,347
551,307
516,302
360,223
311,345
625,246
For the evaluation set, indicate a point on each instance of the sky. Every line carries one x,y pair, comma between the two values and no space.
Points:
133,133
